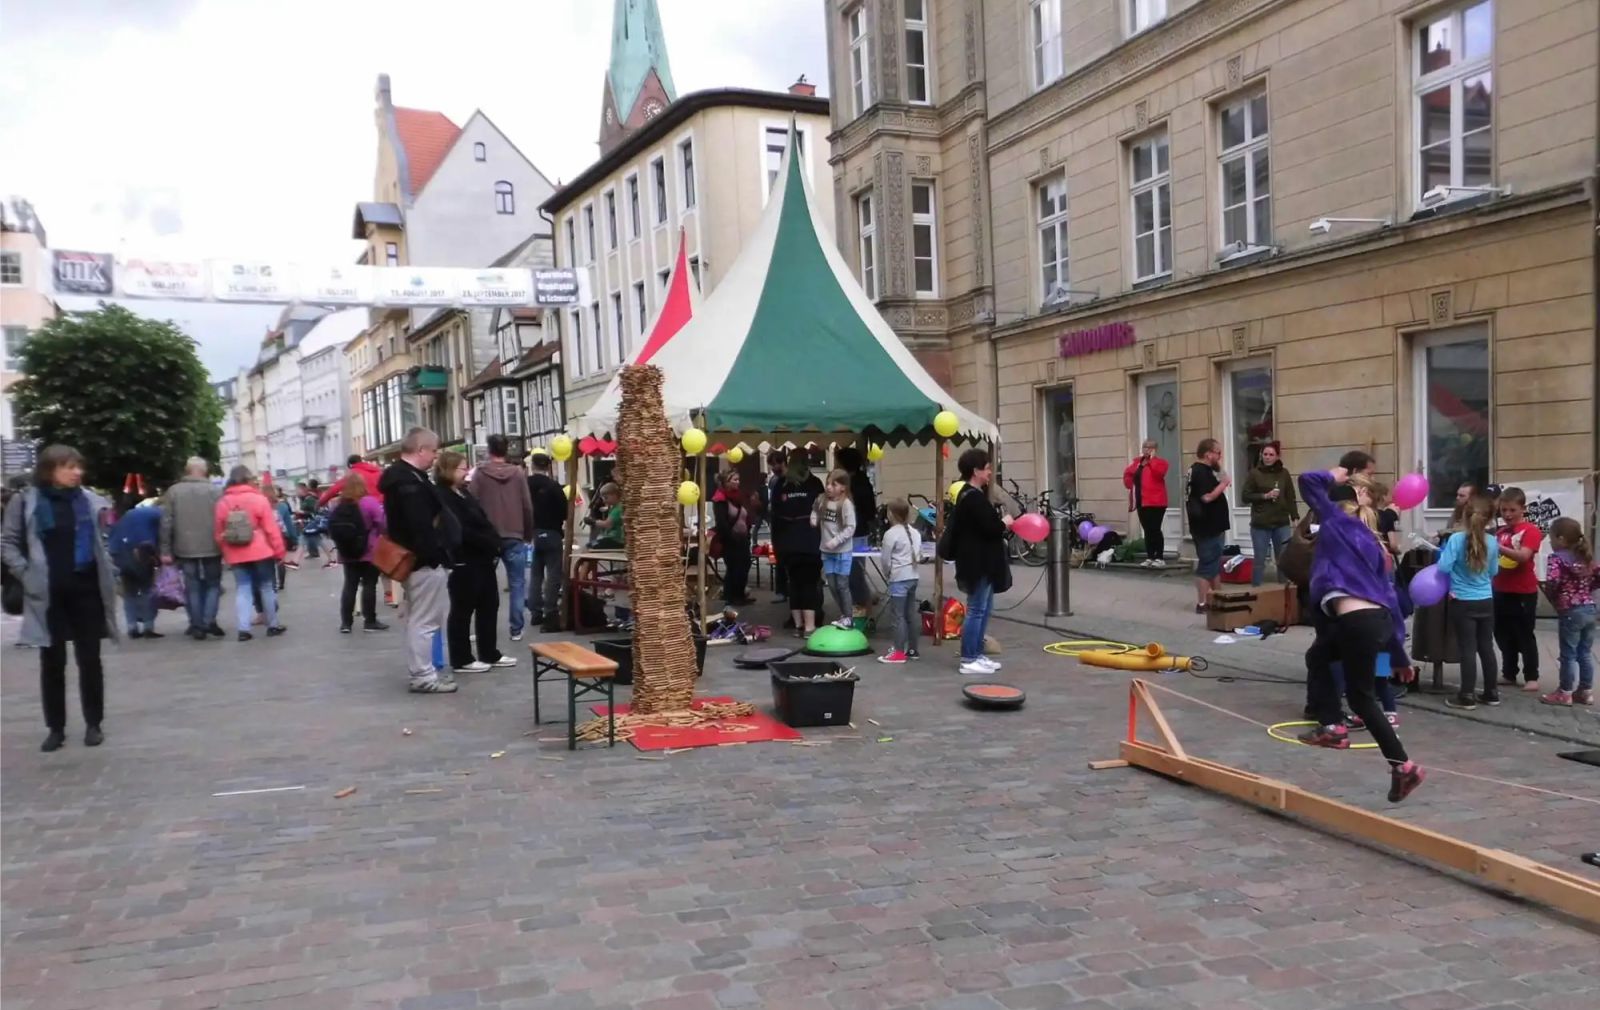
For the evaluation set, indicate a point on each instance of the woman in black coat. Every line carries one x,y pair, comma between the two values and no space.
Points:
982,567
734,525
474,590
798,543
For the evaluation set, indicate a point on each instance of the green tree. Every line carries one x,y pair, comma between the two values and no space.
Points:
128,392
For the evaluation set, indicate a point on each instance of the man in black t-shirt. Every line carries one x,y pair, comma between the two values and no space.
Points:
549,520
1209,522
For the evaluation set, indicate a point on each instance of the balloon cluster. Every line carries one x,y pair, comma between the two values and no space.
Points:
1092,534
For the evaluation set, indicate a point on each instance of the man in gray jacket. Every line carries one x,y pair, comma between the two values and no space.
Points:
188,535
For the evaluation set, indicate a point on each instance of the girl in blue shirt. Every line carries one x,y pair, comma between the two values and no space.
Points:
1471,557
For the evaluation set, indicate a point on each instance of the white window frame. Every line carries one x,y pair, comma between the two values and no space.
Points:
1144,15
658,190
663,278
480,152
688,191
635,207
866,243
1056,225
918,26
1454,76
572,240
1254,146
641,307
391,254
1046,45
769,128
930,221
599,336
589,239
1159,185
620,324
575,331
511,410
858,34
508,205
12,357
694,271
12,257
1421,343
613,230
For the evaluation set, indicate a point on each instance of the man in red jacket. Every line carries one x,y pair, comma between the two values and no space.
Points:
370,472
1146,481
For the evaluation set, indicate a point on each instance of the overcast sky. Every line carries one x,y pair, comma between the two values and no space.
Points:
245,127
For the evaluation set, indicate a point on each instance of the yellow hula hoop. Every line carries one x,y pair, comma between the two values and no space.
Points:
1075,646
1272,732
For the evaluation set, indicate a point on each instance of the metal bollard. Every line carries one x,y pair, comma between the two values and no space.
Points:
1058,568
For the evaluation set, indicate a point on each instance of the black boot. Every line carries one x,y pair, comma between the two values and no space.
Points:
53,741
92,737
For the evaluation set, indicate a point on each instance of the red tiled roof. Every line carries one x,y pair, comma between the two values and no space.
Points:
427,137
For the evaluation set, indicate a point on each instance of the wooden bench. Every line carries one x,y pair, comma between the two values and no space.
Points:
588,675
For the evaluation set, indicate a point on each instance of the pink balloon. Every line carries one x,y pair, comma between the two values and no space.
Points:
1031,527
1429,586
1410,491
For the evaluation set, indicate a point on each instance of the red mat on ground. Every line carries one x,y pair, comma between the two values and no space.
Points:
763,729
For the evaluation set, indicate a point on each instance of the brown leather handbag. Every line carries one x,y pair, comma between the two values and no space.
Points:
393,560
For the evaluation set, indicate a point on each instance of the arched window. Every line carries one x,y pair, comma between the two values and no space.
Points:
505,202
479,152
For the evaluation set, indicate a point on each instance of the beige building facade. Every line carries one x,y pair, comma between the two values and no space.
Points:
702,168
25,302
1335,223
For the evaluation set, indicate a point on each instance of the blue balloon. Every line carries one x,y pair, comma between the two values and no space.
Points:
1429,586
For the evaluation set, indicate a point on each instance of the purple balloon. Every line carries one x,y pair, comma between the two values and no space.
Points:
1084,528
1429,586
1097,534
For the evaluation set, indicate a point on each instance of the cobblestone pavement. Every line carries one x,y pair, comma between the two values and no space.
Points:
940,858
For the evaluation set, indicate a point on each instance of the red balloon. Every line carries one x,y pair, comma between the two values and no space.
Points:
1031,527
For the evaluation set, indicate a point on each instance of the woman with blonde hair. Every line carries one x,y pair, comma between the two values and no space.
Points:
1470,557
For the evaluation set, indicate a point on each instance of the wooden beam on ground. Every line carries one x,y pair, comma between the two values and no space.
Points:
1141,693
1100,766
1523,877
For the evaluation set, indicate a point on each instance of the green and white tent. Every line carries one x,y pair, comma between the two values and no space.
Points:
788,348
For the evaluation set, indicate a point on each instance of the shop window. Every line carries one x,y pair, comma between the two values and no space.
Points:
1060,439
1452,408
1249,413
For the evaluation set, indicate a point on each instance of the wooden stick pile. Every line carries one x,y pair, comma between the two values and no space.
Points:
708,714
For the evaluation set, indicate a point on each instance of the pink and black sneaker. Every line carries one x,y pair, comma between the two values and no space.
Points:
1336,737
1404,780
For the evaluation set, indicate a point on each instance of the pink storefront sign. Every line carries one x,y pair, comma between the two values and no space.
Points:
1107,337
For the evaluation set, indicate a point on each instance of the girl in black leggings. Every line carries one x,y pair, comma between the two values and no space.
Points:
1351,581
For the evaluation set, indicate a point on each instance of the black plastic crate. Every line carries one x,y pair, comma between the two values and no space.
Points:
802,701
621,650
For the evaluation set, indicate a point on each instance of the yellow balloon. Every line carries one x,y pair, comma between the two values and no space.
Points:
874,453
561,448
694,441
955,489
736,455
534,450
688,492
945,423
568,490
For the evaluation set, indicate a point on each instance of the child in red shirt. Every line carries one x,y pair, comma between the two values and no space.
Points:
1516,591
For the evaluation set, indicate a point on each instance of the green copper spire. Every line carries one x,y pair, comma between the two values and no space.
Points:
637,47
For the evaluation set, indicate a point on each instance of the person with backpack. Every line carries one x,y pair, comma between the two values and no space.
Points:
247,530
133,547
354,525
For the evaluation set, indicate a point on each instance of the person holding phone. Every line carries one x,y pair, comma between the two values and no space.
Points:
1146,481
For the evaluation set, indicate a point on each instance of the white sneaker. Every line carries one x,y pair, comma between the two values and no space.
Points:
991,664
844,624
975,669
1148,563
1158,563
476,666
432,685
517,637
505,661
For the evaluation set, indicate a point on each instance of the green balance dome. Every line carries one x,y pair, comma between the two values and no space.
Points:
831,641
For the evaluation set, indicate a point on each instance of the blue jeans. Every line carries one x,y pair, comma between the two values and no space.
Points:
980,598
903,608
1268,543
251,578
544,585
313,543
1577,648
202,587
139,605
515,555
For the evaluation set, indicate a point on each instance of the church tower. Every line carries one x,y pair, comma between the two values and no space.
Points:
639,79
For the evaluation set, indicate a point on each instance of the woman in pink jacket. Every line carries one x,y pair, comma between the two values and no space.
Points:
1146,481
251,541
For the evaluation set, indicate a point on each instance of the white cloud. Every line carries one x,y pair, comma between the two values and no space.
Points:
245,127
